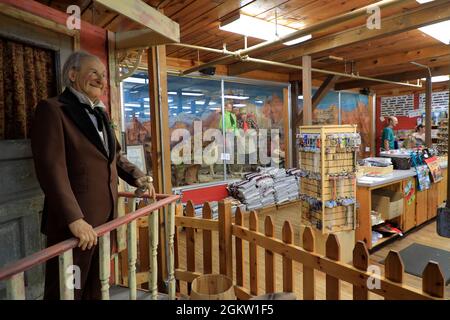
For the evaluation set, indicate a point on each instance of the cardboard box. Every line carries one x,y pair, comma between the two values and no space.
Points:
376,171
387,202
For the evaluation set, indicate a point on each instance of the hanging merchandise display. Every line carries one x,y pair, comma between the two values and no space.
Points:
327,160
423,172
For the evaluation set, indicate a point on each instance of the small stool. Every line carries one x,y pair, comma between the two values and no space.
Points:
276,296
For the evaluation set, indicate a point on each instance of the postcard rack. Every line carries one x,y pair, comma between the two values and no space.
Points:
327,159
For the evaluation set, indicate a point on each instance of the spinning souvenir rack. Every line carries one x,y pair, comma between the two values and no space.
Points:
327,159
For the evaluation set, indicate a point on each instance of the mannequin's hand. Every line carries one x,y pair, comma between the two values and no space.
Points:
144,184
84,231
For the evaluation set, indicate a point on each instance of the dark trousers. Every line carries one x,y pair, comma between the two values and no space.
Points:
87,261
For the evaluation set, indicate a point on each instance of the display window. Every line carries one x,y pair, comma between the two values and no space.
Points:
220,129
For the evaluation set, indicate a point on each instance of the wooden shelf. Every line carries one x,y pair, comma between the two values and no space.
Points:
384,239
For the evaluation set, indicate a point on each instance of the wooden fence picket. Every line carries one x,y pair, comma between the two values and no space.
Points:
207,241
225,239
433,280
269,257
287,237
239,221
332,251
253,251
308,273
190,242
393,268
360,262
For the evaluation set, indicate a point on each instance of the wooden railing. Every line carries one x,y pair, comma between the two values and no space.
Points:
358,275
14,273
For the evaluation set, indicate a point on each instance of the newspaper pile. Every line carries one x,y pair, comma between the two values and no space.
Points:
266,187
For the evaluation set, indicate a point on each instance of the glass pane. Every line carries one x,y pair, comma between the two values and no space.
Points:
254,114
136,115
196,136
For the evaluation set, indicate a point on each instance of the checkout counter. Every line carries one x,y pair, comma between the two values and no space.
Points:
418,206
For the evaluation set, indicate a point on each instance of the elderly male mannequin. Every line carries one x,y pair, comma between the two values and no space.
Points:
78,161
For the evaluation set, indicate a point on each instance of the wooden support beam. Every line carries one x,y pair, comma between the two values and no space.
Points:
323,90
307,90
160,136
294,121
402,76
140,12
428,93
432,12
139,38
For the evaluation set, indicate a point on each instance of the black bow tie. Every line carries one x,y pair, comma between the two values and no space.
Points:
98,113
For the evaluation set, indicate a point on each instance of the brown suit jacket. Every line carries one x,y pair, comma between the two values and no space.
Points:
77,176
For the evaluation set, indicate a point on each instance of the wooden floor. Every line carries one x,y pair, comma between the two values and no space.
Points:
426,235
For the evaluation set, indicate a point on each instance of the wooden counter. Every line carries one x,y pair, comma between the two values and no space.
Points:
420,208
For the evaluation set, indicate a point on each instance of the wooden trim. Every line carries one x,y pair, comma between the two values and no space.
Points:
197,223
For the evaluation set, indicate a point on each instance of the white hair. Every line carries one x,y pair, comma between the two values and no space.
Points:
74,62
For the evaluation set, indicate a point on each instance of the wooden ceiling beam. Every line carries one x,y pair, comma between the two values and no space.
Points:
140,12
428,13
402,76
326,86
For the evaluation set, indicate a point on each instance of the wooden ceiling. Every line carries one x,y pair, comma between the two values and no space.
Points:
388,53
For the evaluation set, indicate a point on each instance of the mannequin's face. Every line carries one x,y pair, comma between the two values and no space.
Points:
90,79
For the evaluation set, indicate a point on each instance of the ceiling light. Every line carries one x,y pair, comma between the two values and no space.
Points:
423,1
172,93
438,78
239,105
236,97
135,80
200,102
193,94
258,28
215,108
439,31
134,105
128,109
300,97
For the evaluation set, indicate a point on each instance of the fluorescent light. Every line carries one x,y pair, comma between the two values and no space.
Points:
298,40
193,94
239,105
300,97
212,103
423,1
261,29
147,113
439,31
438,78
134,105
135,80
236,97
186,108
200,102
134,91
259,101
172,93
146,99
214,108
173,107
128,109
